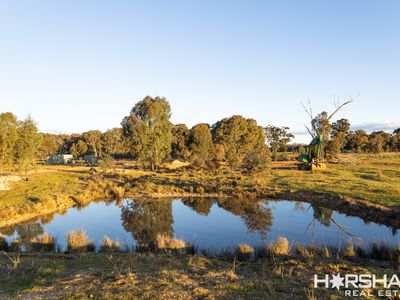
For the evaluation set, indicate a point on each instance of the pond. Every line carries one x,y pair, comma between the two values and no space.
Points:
208,223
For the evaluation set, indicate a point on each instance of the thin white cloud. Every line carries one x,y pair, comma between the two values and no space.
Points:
388,126
302,136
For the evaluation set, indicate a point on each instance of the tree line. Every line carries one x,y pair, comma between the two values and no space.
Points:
19,143
147,135
339,138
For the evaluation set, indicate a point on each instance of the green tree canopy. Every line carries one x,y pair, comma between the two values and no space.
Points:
93,140
180,144
201,145
79,148
150,130
27,146
357,141
8,138
238,136
340,129
113,142
51,144
277,138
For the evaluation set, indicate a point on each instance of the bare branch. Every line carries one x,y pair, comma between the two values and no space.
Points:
309,131
339,108
308,110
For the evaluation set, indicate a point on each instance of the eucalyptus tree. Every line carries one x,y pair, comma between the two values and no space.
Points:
180,144
201,145
27,146
149,130
93,140
277,138
8,138
339,131
239,137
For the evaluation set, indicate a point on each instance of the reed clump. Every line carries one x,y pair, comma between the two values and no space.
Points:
78,241
244,252
16,245
44,242
117,191
279,247
349,250
166,242
108,245
3,244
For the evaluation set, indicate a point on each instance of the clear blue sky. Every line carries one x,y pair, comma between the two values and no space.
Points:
80,65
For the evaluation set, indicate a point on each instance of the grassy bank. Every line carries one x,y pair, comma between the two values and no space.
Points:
175,276
366,177
365,181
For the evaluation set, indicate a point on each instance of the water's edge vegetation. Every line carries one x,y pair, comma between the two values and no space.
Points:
172,269
55,190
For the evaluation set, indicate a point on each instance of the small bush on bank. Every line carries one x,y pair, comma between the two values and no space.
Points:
165,242
108,245
3,244
44,242
16,245
78,241
325,252
279,247
117,191
304,252
244,252
397,254
381,251
349,250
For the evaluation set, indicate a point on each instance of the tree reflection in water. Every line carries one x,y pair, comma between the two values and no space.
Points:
200,205
322,215
256,215
147,219
26,232
325,216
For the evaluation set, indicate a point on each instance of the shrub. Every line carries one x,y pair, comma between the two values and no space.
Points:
349,250
325,252
117,191
279,247
304,252
16,245
78,241
165,242
44,242
381,252
108,244
244,252
397,254
3,244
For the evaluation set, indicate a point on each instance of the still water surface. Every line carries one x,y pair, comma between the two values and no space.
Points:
208,223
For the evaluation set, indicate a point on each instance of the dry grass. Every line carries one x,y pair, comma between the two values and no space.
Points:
165,242
44,242
349,250
78,241
244,252
16,245
108,245
304,252
3,244
279,247
117,191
